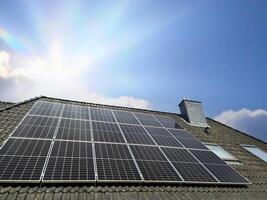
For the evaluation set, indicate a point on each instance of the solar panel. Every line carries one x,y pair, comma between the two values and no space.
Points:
117,170
136,135
147,153
162,137
25,147
70,161
157,171
36,127
225,173
181,134
147,119
166,141
47,109
58,142
112,151
193,172
76,112
98,114
71,129
107,132
69,169
179,155
153,164
207,157
194,144
23,159
158,131
31,120
167,122
21,168
72,149
114,162
125,117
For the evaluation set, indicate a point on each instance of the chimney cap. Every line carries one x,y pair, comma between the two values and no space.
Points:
187,100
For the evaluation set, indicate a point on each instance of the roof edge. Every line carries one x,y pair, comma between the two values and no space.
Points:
246,134
20,103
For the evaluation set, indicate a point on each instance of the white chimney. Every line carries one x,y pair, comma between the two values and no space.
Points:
193,113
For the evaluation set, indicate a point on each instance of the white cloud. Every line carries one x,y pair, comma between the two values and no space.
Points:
4,62
250,121
57,74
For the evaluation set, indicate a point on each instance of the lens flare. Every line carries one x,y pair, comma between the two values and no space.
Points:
10,40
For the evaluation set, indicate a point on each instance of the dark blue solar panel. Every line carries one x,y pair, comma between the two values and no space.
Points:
76,112
125,117
105,115
47,109
167,122
147,119
70,129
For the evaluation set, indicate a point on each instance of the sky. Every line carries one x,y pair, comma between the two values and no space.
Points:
146,54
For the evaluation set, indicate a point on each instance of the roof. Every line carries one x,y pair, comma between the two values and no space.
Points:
4,104
230,139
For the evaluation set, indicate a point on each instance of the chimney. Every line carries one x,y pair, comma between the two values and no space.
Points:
193,113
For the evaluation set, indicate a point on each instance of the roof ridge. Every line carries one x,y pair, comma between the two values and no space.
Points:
22,102
7,102
246,134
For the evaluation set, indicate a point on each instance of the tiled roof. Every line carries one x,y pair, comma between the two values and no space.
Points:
230,139
4,104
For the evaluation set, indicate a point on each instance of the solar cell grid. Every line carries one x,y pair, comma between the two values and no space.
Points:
147,119
167,122
157,171
70,160
107,132
70,129
195,144
31,120
118,170
47,109
179,155
158,131
181,134
125,117
225,173
69,169
99,114
207,157
136,135
133,129
72,149
21,168
147,153
163,137
112,151
138,139
36,127
25,147
166,141
76,112
193,172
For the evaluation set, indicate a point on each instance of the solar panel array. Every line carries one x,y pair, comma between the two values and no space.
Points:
58,142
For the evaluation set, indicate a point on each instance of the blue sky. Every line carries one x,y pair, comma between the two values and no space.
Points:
139,53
